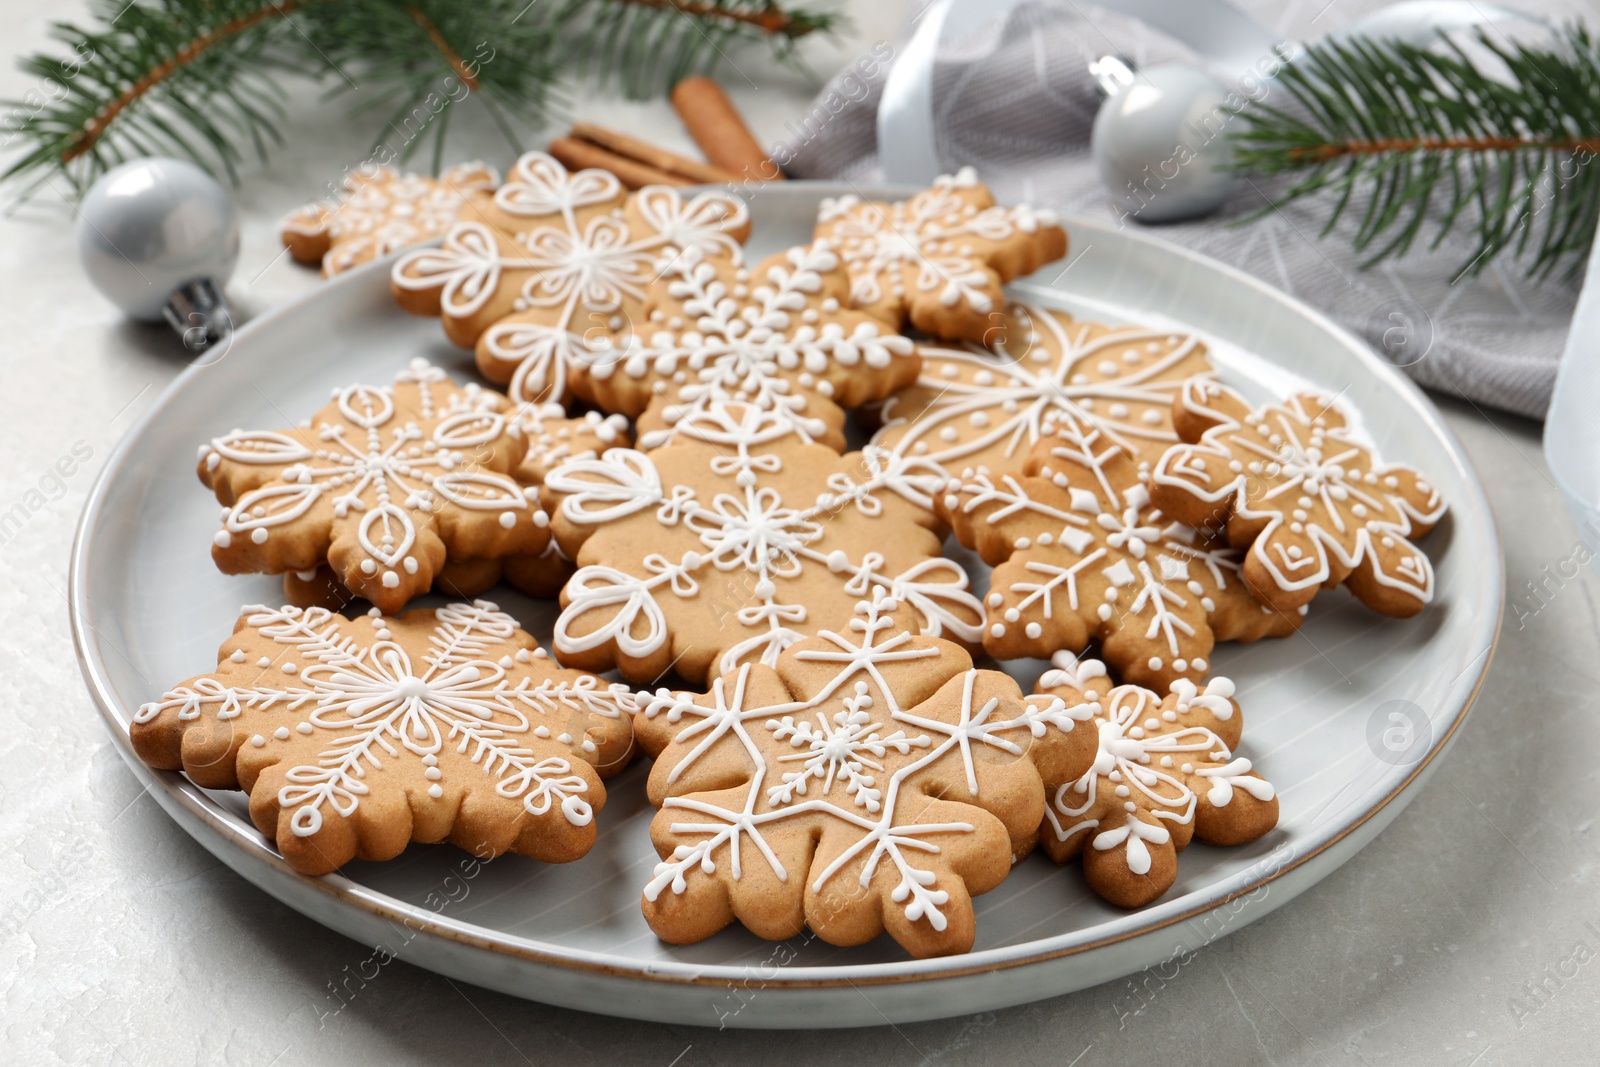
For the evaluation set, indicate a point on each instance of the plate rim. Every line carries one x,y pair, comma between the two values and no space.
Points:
342,890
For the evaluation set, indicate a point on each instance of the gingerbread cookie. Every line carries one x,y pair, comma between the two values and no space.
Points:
380,211
777,337
552,256
868,779
1163,773
553,437
1315,506
971,407
356,737
1079,554
939,259
383,484
738,540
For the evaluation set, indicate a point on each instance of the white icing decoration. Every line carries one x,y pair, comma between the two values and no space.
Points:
1316,472
386,470
844,752
1139,752
735,522
374,706
565,268
1030,386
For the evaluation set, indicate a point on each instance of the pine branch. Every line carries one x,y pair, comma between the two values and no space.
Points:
203,79
650,45
1433,134
190,79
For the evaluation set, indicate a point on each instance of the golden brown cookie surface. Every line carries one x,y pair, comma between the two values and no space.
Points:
870,780
1163,773
384,484
939,259
1314,505
552,255
379,212
355,737
737,540
972,407
776,336
1080,554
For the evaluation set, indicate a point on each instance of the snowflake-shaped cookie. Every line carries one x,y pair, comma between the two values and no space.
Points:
776,336
1080,554
527,275
868,779
939,259
971,407
383,485
1164,772
355,737
1315,506
378,212
553,437
736,541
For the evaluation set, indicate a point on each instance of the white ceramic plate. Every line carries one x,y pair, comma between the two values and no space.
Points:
149,610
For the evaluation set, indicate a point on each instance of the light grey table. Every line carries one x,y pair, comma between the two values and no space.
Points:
1467,934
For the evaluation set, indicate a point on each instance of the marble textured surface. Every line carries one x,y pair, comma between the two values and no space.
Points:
1468,933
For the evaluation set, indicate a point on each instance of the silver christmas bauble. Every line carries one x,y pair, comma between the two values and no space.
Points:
153,228
1161,144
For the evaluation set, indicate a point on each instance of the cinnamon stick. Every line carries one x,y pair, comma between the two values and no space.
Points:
650,155
575,155
716,126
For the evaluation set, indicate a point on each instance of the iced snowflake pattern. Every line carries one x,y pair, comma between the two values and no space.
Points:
365,484
1315,505
747,566
776,337
380,211
1080,554
555,255
971,407
836,704
940,258
1163,773
325,714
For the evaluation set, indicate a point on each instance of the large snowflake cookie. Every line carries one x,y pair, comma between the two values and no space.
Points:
379,211
737,540
383,484
868,779
971,407
1315,506
553,257
1080,554
939,259
777,337
356,737
1164,773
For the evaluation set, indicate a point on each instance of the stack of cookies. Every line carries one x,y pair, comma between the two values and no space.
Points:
667,457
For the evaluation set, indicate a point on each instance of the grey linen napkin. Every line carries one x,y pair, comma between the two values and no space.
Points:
1016,100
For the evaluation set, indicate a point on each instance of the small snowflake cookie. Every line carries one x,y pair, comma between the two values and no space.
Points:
356,737
776,336
1080,554
1314,506
939,259
379,211
529,273
868,779
737,540
383,485
1163,773
971,407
